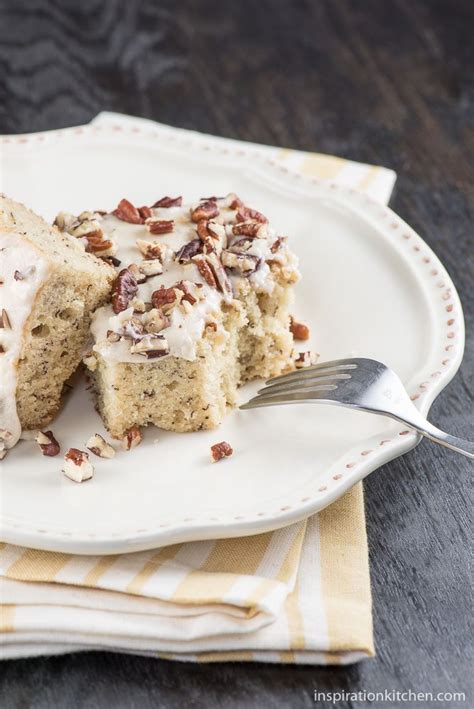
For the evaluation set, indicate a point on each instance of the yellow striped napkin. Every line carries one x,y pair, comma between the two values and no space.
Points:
300,594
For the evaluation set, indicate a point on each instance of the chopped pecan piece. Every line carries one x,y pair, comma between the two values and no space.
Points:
160,226
212,235
201,229
18,276
99,446
206,271
151,268
243,264
246,213
253,229
124,290
98,244
145,212
205,210
111,260
305,359
87,216
221,450
151,249
188,296
220,275
4,320
299,330
277,245
233,201
137,273
126,325
164,297
241,245
77,466
47,442
65,220
186,252
132,438
151,346
165,202
155,320
127,212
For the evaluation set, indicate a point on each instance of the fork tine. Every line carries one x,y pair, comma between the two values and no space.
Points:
317,392
304,382
334,366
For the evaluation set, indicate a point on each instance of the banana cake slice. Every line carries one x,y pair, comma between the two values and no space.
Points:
49,287
200,304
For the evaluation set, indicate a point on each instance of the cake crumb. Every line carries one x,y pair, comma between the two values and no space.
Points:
221,450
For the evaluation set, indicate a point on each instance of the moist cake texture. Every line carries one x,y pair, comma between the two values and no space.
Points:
200,304
49,287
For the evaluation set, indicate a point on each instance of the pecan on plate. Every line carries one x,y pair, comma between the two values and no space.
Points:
305,359
132,438
77,466
221,450
299,330
99,446
47,442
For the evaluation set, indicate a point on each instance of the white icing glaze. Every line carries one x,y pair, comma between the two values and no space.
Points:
16,298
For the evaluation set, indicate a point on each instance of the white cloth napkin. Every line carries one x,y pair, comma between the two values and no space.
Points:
300,594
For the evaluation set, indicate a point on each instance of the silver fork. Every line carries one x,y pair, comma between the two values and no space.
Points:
359,383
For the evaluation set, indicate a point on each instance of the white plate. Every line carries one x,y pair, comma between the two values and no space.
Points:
371,287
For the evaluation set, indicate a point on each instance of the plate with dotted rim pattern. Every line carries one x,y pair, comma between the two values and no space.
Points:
371,287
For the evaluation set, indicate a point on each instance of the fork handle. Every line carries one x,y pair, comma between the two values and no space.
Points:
444,439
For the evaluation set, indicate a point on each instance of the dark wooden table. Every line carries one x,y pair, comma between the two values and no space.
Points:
384,81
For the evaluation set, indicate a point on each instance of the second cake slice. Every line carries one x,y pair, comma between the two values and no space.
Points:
49,287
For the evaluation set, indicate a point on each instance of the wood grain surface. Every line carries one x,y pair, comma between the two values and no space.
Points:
384,81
